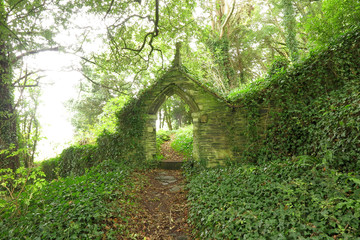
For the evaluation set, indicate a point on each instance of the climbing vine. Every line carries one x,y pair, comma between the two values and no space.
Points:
314,107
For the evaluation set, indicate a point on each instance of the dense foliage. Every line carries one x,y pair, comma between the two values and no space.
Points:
183,141
299,178
294,199
123,145
313,107
87,206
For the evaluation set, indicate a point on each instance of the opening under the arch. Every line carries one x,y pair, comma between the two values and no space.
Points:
174,132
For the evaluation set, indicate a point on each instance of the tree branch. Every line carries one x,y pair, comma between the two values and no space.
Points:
152,34
103,86
26,75
222,28
108,11
34,52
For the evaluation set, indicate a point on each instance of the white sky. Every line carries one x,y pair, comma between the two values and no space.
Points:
58,85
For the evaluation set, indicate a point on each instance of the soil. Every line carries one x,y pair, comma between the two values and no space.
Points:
162,203
164,207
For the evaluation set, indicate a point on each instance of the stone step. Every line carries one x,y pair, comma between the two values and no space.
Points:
170,165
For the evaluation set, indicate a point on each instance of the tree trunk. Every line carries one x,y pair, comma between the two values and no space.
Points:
8,124
290,28
167,116
8,119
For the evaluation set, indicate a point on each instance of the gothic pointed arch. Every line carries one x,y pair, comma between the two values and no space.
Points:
168,91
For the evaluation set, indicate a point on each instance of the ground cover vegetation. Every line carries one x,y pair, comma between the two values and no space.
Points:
299,198
298,179
94,205
183,141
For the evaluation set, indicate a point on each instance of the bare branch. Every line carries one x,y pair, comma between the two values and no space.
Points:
26,86
104,86
34,52
152,34
108,11
26,76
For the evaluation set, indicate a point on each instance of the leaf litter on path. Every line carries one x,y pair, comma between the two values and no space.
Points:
163,207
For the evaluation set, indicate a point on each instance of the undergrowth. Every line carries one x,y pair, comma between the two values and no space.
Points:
161,137
293,199
183,141
90,206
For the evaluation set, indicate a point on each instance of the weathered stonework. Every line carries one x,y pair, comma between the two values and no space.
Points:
220,130
210,142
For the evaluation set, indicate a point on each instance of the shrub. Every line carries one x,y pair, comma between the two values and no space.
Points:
161,137
51,168
76,159
81,207
183,141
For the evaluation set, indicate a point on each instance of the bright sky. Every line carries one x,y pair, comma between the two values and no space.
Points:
59,83
58,86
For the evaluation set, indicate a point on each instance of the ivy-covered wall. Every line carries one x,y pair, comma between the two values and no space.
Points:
209,113
311,108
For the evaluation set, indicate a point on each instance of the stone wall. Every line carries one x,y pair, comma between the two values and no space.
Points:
210,116
221,131
241,129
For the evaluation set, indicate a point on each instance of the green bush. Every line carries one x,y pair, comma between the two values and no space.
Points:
292,199
81,207
76,159
17,189
51,168
161,137
183,141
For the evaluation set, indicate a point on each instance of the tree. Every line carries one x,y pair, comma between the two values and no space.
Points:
230,23
29,126
333,18
290,23
175,113
21,34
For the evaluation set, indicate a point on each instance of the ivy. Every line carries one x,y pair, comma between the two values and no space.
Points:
90,206
313,106
293,199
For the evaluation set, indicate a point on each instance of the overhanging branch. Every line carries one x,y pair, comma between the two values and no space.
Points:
103,86
34,52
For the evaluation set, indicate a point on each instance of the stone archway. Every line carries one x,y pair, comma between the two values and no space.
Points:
220,130
211,115
209,112
168,91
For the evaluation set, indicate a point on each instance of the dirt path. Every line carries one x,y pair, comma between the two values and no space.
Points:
170,155
164,210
